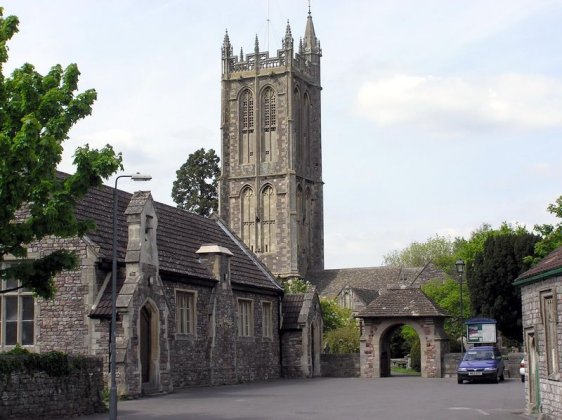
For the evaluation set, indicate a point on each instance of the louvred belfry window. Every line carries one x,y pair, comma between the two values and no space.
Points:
269,124
247,136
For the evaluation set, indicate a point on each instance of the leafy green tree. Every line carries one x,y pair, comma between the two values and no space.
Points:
467,249
446,295
437,249
490,280
296,285
551,235
341,333
36,114
335,316
195,187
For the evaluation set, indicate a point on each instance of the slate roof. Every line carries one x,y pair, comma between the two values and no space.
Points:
179,236
552,261
402,302
292,305
366,282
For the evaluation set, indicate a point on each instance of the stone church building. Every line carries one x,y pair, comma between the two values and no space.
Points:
271,181
271,188
199,300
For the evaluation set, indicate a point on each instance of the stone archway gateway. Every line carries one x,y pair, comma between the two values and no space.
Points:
401,306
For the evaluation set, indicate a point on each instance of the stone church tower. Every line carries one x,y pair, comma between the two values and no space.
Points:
271,182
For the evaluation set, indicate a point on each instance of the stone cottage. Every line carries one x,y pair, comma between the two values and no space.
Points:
541,297
194,304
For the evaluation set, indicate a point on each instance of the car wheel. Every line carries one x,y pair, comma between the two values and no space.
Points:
459,380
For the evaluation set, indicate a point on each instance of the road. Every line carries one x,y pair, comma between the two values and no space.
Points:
393,398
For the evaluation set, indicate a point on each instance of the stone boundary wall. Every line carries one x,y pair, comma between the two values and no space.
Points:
340,365
25,395
511,361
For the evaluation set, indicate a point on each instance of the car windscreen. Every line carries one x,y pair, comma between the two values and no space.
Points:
478,355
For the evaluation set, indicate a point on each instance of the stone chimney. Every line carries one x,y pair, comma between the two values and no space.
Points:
217,260
142,251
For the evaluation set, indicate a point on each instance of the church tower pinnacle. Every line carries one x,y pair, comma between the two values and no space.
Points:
271,189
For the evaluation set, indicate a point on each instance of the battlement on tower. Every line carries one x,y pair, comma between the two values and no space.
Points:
305,61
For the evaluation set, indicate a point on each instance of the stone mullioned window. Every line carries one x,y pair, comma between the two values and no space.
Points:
186,318
17,315
245,318
267,319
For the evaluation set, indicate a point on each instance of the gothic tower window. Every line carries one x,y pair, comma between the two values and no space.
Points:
247,136
299,209
305,154
268,220
269,125
249,218
307,218
298,124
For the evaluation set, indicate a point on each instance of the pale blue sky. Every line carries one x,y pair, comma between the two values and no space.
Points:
437,115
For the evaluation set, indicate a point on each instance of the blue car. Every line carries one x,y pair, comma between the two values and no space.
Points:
480,364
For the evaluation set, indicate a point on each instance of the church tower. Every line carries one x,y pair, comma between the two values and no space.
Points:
271,181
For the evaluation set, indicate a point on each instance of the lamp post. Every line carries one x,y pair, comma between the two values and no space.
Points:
460,270
113,387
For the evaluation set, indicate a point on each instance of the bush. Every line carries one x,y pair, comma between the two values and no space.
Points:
53,363
342,340
415,356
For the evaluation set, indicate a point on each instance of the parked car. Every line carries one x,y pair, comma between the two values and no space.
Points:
481,363
522,370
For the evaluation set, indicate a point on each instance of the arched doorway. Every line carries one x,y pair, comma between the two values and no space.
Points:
396,343
149,349
395,307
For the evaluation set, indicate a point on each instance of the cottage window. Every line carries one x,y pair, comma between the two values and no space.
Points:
267,319
548,314
245,318
185,312
17,315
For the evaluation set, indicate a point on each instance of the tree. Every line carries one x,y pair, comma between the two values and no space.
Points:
438,249
446,295
195,188
36,114
334,315
296,285
551,235
490,280
341,333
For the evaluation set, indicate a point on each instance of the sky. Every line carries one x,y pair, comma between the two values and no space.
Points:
437,115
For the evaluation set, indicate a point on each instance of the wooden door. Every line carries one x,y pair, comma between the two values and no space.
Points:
145,343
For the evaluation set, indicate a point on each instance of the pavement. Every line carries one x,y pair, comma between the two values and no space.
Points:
393,398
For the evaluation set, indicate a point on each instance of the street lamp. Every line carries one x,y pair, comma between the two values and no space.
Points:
113,387
460,270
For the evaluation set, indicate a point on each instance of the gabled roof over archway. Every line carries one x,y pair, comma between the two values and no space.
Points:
402,302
